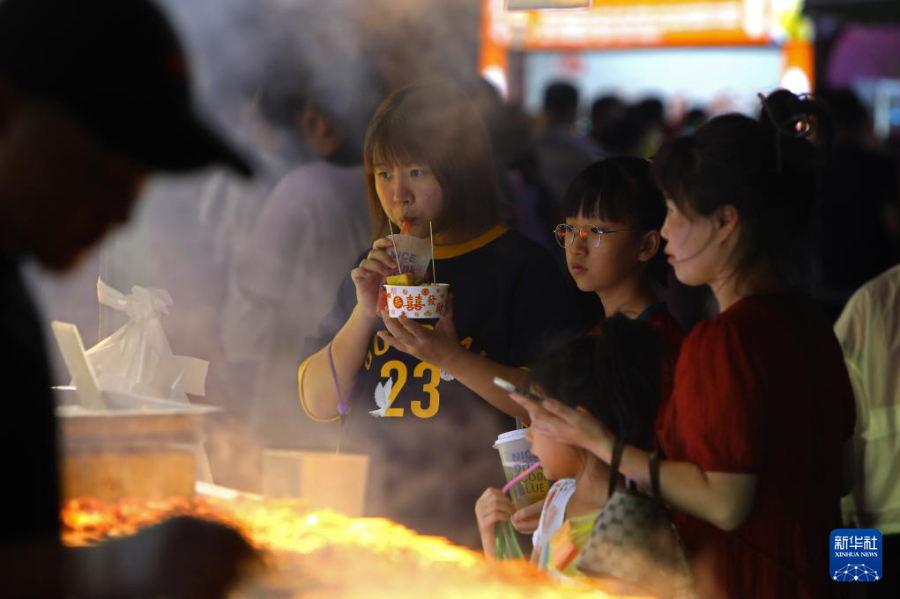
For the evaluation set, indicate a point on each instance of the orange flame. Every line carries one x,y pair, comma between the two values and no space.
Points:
326,555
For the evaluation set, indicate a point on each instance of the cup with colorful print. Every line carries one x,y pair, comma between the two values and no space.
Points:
516,457
417,301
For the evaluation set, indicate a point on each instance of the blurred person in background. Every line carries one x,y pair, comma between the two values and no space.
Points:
858,189
81,129
265,110
561,155
650,114
869,332
308,234
693,120
638,131
534,211
605,112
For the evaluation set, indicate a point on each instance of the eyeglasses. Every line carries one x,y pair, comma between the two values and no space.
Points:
567,234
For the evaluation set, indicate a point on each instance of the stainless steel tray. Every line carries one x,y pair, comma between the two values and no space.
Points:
130,421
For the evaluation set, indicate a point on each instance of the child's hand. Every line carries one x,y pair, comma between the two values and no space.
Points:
526,519
369,276
492,507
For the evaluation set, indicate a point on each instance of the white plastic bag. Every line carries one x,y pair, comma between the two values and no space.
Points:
137,358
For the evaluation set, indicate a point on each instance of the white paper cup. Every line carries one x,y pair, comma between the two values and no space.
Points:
417,301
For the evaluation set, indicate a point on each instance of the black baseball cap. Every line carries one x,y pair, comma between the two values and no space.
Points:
117,67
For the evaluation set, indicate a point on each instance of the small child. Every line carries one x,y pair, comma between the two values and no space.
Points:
613,375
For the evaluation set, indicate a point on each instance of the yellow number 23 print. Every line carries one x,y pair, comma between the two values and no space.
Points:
423,371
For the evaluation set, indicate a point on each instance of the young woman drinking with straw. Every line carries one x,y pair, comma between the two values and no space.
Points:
757,428
428,160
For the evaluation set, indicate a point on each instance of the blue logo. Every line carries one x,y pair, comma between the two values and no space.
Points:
856,555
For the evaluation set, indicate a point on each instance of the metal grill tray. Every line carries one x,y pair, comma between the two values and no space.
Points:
131,421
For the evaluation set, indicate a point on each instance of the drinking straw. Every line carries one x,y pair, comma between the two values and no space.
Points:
520,477
404,228
433,267
394,243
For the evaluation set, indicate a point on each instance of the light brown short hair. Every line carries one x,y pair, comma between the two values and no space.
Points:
435,124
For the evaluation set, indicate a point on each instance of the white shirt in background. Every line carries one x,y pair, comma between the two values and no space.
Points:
869,332
311,231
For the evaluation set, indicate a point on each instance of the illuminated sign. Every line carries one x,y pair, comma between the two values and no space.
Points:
631,23
544,4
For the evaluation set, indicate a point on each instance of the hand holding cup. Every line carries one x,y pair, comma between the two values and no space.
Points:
492,507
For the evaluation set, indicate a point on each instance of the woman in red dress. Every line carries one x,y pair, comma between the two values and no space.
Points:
758,426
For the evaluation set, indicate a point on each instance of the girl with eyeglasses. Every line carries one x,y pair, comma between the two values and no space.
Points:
418,397
758,430
614,212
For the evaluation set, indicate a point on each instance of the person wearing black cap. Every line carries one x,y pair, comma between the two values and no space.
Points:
94,97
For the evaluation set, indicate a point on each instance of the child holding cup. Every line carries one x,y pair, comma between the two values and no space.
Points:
428,164
615,376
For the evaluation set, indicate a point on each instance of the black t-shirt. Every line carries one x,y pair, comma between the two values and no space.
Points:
30,498
431,452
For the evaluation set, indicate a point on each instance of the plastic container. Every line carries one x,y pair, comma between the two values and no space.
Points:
516,456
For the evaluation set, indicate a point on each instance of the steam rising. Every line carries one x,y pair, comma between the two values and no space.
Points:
253,64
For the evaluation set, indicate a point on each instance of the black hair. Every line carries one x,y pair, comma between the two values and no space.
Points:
606,106
650,110
845,108
615,375
765,168
561,100
620,190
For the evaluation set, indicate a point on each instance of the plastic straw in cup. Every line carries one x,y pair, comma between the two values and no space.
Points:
394,243
433,267
520,477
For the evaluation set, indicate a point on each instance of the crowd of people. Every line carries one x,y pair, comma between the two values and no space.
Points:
704,303
745,423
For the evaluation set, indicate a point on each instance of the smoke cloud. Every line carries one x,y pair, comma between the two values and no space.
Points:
253,65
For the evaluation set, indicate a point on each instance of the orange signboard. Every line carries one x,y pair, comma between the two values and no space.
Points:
631,23
546,4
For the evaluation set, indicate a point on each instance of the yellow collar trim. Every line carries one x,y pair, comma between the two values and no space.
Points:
442,252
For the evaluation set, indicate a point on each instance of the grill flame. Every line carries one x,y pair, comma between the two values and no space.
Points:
325,555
